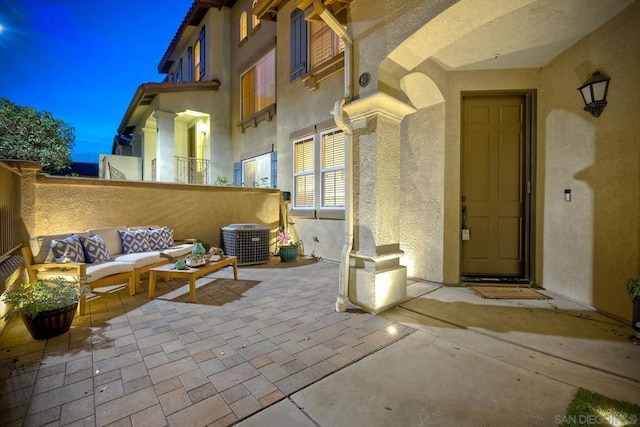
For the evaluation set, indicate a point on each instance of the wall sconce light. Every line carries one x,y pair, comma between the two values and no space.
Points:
594,93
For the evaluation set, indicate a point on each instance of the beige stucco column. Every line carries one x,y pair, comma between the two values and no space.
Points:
377,281
149,152
165,146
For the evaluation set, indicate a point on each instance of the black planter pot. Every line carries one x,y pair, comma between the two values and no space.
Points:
636,314
50,323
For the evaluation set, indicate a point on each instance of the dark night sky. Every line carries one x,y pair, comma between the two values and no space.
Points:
82,60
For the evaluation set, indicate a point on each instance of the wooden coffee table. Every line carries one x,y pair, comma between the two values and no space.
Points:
169,271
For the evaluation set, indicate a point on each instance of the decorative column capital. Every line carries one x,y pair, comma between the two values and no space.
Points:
378,104
164,114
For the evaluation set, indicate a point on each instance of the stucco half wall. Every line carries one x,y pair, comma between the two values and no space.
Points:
58,205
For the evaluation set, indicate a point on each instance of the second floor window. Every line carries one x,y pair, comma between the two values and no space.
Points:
312,44
258,86
324,44
199,56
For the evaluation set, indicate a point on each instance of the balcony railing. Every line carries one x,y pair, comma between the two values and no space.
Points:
190,170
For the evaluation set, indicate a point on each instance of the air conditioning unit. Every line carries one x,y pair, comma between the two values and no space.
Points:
249,242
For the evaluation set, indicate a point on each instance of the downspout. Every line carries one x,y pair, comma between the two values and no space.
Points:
338,116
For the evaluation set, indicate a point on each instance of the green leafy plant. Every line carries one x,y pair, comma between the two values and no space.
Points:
28,134
633,287
222,180
29,299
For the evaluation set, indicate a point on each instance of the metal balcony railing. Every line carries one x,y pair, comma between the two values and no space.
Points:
190,170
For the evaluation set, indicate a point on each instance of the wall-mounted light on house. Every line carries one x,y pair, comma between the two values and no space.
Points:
594,93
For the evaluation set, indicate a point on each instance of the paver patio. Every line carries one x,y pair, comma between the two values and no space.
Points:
241,347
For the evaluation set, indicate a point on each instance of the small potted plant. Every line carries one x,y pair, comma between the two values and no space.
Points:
633,288
47,307
288,248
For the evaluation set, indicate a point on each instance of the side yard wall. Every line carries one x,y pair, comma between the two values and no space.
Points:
60,204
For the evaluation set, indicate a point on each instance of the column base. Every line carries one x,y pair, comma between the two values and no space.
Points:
376,290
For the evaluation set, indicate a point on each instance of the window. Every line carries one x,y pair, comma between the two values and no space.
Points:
312,45
324,191
243,26
199,56
303,173
332,170
259,171
258,86
179,71
256,172
324,44
190,64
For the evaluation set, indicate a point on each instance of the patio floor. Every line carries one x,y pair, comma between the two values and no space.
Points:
243,346
261,351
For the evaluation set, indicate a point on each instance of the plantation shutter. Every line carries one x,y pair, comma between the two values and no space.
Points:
237,174
298,45
333,174
303,173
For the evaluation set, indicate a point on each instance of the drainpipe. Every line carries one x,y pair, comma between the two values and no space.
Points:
338,116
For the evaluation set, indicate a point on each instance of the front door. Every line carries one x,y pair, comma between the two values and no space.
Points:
493,185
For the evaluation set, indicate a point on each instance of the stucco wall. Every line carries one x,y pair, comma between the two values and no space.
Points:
58,205
590,245
300,108
254,141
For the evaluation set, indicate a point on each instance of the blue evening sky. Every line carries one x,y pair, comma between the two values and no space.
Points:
82,60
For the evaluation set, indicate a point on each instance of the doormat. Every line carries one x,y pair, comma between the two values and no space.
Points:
507,292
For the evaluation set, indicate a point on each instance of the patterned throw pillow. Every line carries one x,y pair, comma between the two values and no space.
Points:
68,249
95,250
157,238
168,236
134,241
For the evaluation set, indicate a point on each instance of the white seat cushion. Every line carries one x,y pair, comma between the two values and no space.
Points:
140,259
104,269
94,271
179,250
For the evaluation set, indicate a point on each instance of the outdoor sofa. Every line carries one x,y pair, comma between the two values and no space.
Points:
103,257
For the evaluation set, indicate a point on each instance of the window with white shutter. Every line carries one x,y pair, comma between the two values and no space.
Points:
303,173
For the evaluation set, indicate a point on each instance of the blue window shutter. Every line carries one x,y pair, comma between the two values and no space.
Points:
298,44
274,169
190,64
237,174
202,53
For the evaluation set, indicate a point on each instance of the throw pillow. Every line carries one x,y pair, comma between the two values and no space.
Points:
68,249
95,249
134,241
157,238
168,236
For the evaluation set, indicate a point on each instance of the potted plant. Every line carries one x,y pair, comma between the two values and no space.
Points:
633,288
288,248
47,307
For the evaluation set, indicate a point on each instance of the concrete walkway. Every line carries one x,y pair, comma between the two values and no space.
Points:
269,349
473,362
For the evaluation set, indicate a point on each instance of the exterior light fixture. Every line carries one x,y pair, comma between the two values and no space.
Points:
594,93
